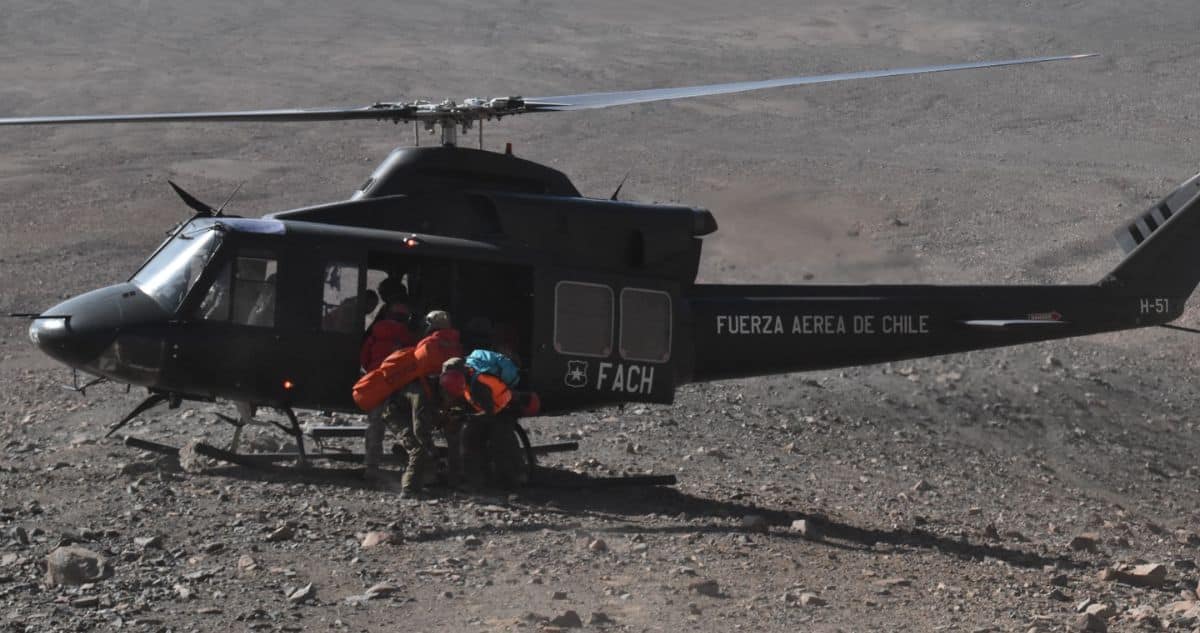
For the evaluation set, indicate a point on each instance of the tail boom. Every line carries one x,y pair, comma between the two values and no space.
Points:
748,331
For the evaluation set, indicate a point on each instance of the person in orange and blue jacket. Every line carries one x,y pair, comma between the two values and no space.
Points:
489,451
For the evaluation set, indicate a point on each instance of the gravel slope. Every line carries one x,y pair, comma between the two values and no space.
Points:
937,495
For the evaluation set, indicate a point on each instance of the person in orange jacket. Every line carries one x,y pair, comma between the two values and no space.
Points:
413,409
388,332
402,382
488,449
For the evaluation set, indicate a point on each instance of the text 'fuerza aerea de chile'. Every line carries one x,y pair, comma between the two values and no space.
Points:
752,324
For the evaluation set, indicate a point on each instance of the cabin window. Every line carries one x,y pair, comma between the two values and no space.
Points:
583,319
340,301
243,292
645,325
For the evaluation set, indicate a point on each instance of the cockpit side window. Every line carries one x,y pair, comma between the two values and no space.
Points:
243,292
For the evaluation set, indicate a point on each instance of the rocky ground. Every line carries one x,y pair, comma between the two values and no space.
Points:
1036,488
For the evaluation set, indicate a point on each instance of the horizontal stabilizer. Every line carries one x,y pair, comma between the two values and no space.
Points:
1139,230
1162,259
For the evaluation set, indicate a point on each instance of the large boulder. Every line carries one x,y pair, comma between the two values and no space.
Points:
75,565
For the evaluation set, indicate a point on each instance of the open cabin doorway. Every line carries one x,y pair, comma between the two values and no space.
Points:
491,304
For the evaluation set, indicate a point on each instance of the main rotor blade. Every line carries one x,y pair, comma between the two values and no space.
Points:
593,100
378,111
451,113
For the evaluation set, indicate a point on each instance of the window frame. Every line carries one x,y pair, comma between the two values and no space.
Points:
192,306
359,291
612,316
670,326
266,255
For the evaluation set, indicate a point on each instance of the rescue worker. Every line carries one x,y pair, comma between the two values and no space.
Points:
398,393
389,332
490,451
413,409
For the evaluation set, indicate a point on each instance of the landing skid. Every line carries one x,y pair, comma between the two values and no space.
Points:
540,477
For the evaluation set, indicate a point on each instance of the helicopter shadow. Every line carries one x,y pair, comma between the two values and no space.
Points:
688,513
557,492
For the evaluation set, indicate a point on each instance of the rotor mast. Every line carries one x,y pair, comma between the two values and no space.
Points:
450,116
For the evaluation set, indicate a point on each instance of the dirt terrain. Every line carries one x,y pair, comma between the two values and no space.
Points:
987,491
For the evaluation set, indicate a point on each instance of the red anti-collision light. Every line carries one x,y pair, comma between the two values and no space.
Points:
288,384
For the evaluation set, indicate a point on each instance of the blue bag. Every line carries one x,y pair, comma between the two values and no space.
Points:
483,361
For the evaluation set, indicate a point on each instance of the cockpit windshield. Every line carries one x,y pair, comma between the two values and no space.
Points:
172,271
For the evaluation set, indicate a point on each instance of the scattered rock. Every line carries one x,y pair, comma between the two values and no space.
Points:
380,590
755,523
1057,594
149,542
472,541
567,620
1144,613
191,461
558,595
373,539
598,545
1101,610
75,565
599,618
183,592
1150,575
1088,623
811,600
889,583
212,548
86,602
806,528
708,588
1086,542
306,592
246,562
922,486
1187,537
20,535
282,533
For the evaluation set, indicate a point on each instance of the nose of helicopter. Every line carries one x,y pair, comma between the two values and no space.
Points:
77,330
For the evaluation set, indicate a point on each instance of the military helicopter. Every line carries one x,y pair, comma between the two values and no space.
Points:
596,297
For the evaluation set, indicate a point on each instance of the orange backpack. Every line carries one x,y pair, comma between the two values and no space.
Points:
400,368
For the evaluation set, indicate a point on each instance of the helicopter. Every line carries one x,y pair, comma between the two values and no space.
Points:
597,297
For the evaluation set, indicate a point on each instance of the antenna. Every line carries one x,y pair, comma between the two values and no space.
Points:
236,189
626,177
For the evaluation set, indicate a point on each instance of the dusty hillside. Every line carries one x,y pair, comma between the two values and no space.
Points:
937,495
